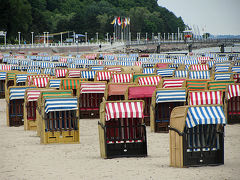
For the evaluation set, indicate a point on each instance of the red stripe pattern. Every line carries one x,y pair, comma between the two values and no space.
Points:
173,83
236,77
122,78
33,95
41,82
30,78
5,67
117,69
233,90
124,110
92,87
74,73
199,67
104,75
60,73
202,97
149,80
64,60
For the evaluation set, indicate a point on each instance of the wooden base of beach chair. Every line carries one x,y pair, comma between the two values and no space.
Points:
15,112
2,89
89,114
60,137
30,125
233,110
115,98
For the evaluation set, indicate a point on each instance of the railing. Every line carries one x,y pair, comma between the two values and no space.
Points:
126,43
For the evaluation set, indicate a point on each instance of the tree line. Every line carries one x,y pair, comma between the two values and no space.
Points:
81,16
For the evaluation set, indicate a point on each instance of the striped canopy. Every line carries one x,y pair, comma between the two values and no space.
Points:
74,73
33,95
196,85
54,83
222,76
199,75
233,90
56,94
165,72
87,87
149,80
3,75
17,92
60,73
170,96
181,74
117,69
124,110
199,67
148,70
236,69
173,83
68,84
40,82
97,68
121,78
21,78
218,85
88,74
60,104
205,97
104,75
205,115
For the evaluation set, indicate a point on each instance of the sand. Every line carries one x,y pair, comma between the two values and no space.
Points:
23,157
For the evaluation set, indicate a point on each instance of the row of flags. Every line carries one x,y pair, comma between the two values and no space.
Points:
121,21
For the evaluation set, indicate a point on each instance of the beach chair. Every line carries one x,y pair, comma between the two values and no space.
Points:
10,80
222,76
88,75
136,75
60,73
148,80
199,75
116,91
14,102
3,75
144,92
59,119
90,95
121,131
148,70
30,105
165,72
164,100
199,67
48,94
116,68
232,103
172,83
121,78
103,75
181,74
71,84
196,84
197,136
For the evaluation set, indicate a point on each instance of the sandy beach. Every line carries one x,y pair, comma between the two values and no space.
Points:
23,157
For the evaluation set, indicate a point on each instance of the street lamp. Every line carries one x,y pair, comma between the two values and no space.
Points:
32,38
44,37
19,34
107,37
61,38
97,36
146,36
86,37
47,38
5,38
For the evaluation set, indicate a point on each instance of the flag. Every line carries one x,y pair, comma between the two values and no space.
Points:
125,22
114,21
128,20
119,21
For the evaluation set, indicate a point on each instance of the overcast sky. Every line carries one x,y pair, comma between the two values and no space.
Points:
213,16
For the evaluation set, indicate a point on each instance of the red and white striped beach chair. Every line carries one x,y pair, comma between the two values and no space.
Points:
90,96
232,103
148,80
60,73
103,75
121,77
121,131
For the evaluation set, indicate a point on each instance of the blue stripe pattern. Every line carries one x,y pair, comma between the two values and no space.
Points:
60,104
222,76
54,83
199,75
165,72
21,77
97,68
3,75
18,93
236,69
148,70
170,96
182,74
88,74
205,115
